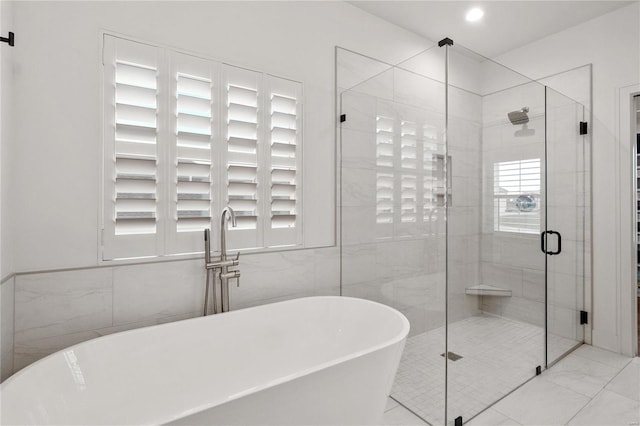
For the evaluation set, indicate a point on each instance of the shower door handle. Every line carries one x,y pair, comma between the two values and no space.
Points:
543,242
559,243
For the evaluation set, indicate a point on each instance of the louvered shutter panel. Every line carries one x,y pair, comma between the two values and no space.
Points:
284,154
408,161
132,126
194,178
430,149
385,176
242,93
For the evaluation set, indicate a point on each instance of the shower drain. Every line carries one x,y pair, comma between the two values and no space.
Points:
452,356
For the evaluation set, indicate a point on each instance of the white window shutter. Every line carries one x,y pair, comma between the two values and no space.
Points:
132,124
283,159
183,137
242,117
194,175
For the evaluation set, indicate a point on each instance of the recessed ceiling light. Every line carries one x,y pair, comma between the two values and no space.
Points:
474,14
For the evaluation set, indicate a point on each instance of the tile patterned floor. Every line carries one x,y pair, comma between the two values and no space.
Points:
498,355
590,386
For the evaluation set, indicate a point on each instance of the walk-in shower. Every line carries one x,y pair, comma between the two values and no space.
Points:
464,196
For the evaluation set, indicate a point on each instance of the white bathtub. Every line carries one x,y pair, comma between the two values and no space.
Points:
317,360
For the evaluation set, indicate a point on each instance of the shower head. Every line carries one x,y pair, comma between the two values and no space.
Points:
519,117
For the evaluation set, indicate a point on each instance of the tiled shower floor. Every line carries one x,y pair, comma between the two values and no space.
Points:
498,355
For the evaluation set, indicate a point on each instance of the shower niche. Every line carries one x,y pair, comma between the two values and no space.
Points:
464,203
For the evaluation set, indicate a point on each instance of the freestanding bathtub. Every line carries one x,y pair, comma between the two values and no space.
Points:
316,360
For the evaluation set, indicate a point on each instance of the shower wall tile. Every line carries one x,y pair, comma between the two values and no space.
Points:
503,277
358,225
465,162
563,190
400,258
517,308
571,261
533,283
464,134
55,310
464,220
30,351
565,290
568,220
563,322
137,295
358,187
360,109
359,263
326,263
464,249
58,303
358,149
465,105
268,276
6,328
378,290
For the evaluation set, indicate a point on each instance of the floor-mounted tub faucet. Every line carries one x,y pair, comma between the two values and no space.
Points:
222,264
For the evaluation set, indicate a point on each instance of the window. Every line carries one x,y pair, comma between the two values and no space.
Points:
185,136
516,196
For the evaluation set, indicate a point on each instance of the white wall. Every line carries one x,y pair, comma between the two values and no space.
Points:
58,113
611,44
56,157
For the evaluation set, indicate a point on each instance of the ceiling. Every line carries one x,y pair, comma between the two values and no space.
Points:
506,24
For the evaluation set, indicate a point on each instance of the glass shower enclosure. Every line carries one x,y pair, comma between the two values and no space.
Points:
463,203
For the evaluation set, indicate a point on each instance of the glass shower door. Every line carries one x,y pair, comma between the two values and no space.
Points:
495,269
392,212
566,238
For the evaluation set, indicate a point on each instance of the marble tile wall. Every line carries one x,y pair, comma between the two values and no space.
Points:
402,263
514,261
511,260
6,328
58,309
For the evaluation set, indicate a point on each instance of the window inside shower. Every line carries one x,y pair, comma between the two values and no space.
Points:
516,195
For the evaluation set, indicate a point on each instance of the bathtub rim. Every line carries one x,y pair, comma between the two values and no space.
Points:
397,338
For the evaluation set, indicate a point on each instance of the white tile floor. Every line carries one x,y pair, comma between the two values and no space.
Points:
498,355
590,386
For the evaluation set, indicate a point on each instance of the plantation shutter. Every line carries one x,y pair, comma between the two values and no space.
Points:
282,185
183,137
194,82
408,161
242,94
132,127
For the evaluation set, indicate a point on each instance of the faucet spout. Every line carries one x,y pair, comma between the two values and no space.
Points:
227,213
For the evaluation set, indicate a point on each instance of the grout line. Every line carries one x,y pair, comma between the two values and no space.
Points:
599,392
400,404
600,362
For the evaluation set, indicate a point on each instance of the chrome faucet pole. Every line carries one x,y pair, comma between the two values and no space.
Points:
227,213
207,261
222,265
